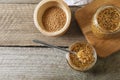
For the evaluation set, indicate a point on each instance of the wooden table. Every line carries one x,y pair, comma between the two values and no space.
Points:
21,59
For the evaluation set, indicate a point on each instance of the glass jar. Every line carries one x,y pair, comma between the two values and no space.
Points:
85,57
106,22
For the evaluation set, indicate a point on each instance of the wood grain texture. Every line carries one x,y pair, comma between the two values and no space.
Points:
81,2
49,64
17,27
104,47
19,1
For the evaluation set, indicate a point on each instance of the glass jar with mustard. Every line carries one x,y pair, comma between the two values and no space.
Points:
106,22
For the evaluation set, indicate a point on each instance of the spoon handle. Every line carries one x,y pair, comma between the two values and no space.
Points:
52,46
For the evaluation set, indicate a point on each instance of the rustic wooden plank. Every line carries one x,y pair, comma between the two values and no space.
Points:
20,1
81,2
17,27
50,64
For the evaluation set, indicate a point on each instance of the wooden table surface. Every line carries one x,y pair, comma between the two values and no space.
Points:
21,59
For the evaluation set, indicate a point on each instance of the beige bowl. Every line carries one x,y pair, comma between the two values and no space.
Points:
42,7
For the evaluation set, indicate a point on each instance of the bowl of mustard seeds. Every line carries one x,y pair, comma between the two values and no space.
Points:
52,17
85,57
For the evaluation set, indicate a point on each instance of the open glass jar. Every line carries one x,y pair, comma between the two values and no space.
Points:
106,22
85,57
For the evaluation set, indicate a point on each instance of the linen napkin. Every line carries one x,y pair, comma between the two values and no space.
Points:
77,2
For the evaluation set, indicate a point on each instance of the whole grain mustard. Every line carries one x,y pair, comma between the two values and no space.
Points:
106,22
83,58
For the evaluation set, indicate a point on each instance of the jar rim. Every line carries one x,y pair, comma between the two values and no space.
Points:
95,21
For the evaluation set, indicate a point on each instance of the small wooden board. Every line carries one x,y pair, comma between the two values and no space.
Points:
84,16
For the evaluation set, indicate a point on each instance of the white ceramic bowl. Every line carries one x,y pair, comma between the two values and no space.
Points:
42,7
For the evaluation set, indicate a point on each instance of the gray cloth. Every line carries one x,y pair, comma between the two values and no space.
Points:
77,2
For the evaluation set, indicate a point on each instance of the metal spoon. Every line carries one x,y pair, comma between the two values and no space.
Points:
52,46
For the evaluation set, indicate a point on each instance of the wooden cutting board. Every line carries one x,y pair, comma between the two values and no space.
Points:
104,47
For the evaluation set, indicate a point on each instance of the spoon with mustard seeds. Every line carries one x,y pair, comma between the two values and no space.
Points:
52,46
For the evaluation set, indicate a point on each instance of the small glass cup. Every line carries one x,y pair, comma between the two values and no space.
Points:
98,30
75,47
